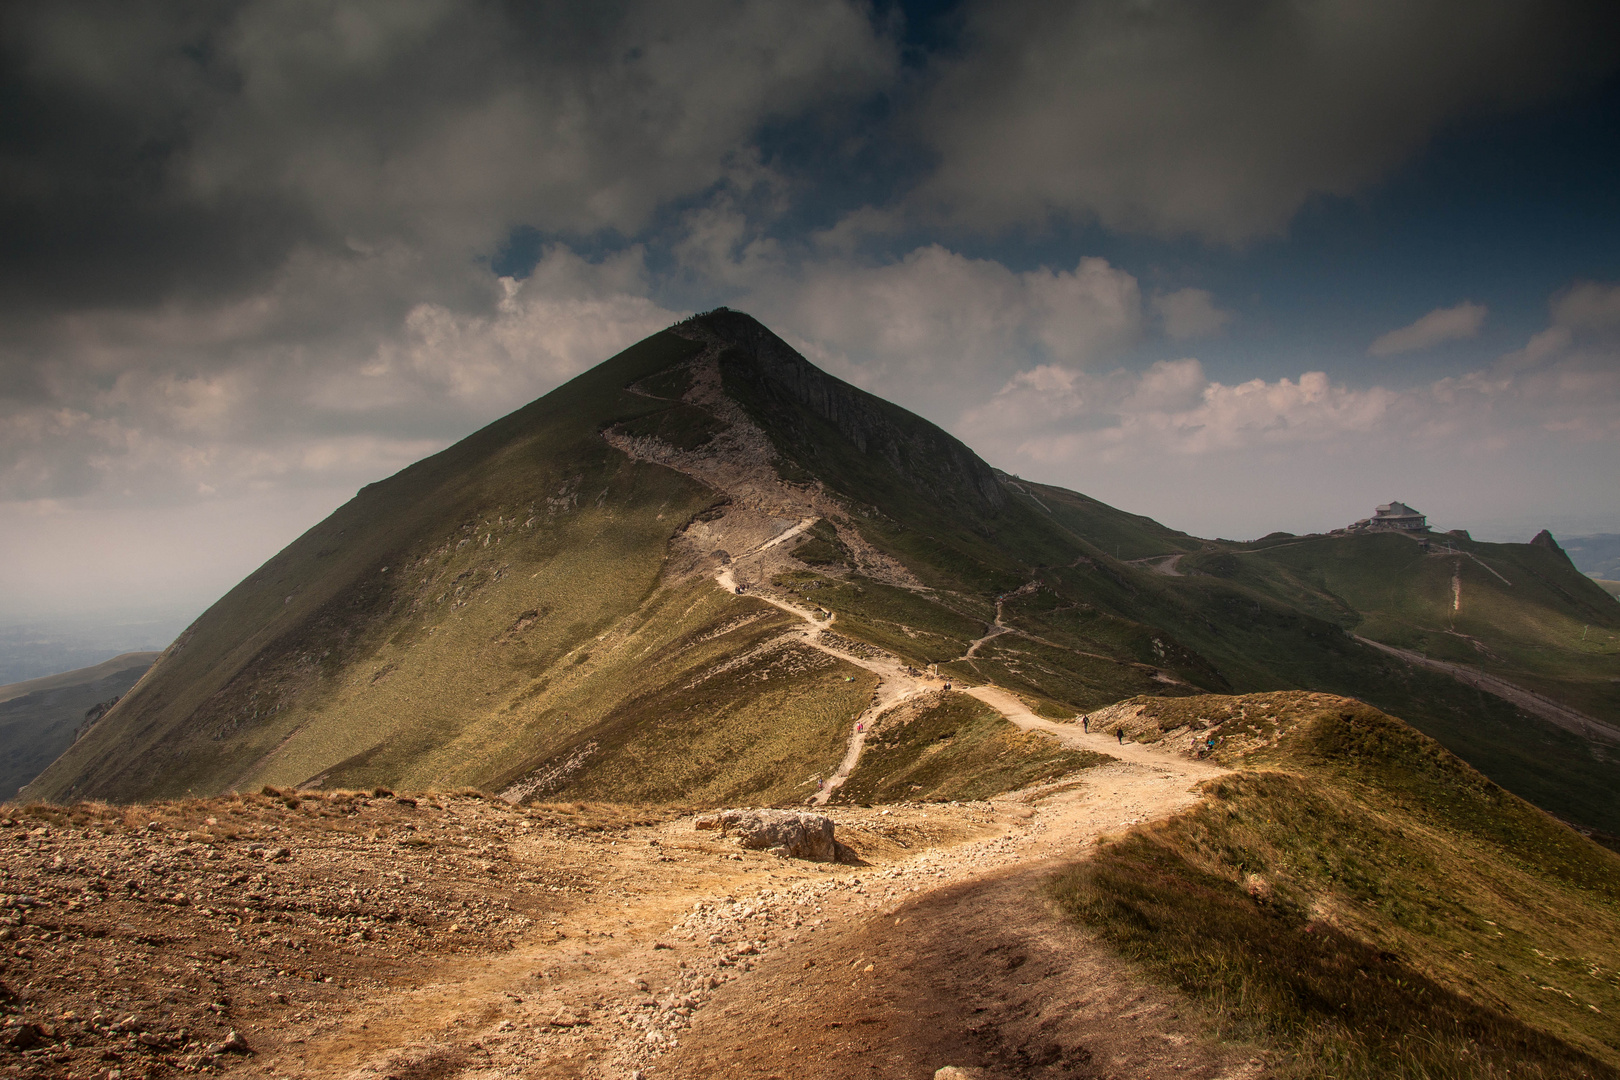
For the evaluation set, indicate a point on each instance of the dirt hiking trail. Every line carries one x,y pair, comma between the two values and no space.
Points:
694,959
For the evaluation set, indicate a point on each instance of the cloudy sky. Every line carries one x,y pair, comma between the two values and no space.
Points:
1242,266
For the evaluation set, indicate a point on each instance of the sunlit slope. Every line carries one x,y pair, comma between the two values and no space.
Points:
1362,900
416,617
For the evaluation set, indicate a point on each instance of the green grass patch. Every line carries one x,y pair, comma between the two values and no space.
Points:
685,427
916,627
758,732
1082,682
948,745
823,548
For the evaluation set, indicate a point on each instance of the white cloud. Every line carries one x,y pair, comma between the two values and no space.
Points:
1180,117
1053,414
1442,324
936,328
1515,441
567,316
1190,313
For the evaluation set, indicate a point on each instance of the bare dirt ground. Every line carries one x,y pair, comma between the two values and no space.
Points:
359,935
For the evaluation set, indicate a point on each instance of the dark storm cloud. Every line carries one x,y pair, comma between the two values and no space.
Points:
149,149
99,109
1220,119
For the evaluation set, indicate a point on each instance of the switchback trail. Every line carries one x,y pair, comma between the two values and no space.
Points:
897,682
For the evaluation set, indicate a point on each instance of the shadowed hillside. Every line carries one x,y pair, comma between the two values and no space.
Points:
40,718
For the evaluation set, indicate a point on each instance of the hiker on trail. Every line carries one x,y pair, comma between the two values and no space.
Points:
1120,732
1085,724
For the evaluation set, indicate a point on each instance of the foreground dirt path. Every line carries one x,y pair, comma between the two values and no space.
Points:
966,963
693,960
360,934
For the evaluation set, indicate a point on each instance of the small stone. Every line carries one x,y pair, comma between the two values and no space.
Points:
956,1072
233,1043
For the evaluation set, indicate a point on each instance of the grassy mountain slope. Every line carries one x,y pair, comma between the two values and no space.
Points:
535,609
422,614
1365,901
39,718
1518,610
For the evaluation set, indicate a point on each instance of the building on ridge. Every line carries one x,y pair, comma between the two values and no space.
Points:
1392,516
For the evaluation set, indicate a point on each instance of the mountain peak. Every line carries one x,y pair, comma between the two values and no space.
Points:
801,408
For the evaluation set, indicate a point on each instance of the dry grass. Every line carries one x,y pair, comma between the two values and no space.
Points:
1378,909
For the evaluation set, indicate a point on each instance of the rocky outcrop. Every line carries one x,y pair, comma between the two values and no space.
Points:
790,833
781,382
1544,539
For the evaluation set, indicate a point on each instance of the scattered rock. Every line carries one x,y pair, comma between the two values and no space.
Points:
1258,887
956,1072
233,1043
791,833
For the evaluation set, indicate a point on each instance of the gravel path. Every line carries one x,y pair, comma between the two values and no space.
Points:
682,964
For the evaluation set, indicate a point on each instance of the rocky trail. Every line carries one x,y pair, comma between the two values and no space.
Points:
897,681
701,960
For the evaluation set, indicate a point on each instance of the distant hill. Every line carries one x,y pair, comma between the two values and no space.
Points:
685,574
1596,556
39,717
